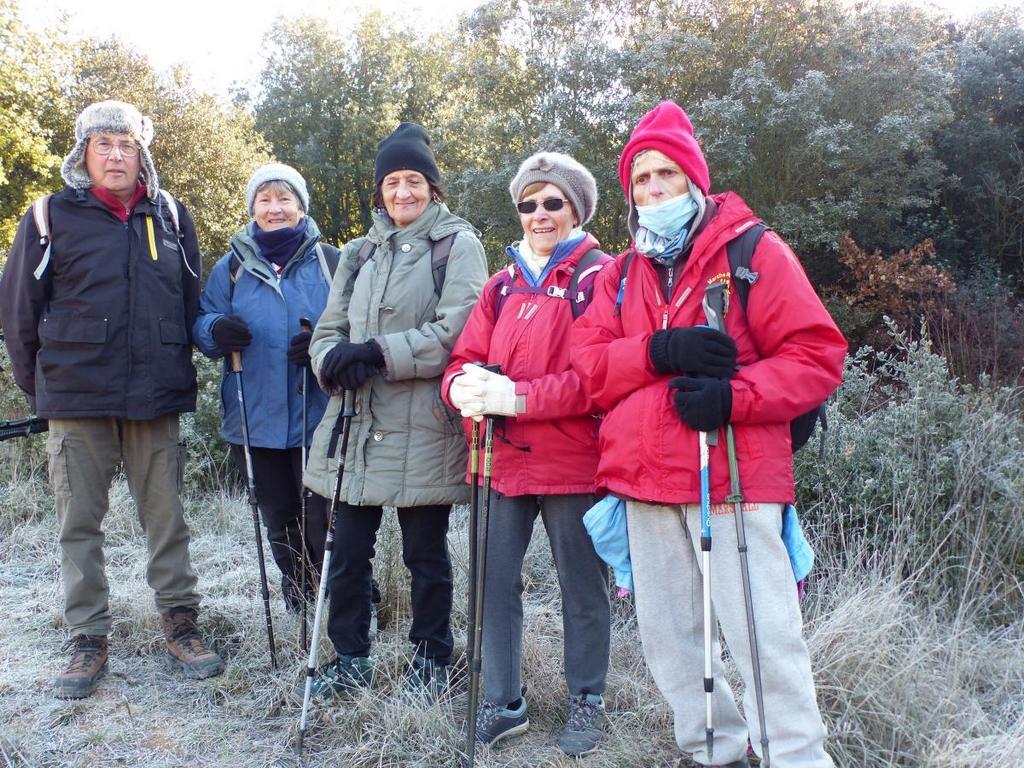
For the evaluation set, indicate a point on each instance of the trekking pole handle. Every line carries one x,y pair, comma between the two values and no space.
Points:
305,324
236,362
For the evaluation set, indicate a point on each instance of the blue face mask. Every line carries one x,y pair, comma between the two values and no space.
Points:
667,219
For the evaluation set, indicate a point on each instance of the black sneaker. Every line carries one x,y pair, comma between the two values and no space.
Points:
583,731
425,678
494,723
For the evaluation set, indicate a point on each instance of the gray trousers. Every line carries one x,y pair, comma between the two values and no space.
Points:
83,456
582,579
664,547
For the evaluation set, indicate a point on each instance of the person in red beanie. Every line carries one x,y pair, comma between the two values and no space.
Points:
644,353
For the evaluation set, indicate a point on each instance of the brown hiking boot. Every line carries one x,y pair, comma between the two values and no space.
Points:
88,664
185,646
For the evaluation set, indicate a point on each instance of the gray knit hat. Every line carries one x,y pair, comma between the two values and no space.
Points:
276,172
565,173
110,117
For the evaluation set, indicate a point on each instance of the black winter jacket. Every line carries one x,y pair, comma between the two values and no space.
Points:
106,329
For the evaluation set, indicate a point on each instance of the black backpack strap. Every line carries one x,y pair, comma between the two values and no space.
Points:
741,256
439,253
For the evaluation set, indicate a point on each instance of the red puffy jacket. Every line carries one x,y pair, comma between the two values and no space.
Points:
552,447
790,356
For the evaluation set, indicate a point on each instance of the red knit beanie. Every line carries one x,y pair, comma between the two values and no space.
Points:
667,129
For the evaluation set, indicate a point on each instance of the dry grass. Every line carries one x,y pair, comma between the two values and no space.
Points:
901,682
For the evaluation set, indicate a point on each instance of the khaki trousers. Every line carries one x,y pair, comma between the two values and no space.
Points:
83,456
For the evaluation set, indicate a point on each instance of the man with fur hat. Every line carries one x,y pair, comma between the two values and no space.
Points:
99,293
645,354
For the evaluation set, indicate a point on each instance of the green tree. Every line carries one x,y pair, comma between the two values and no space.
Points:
984,145
29,80
204,152
328,98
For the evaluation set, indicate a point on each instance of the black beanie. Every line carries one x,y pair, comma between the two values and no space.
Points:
407,148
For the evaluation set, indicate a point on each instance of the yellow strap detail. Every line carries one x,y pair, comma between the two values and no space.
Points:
152,237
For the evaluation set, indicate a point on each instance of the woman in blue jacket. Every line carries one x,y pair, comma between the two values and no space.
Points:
275,272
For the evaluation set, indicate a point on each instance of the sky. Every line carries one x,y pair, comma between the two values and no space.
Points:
220,40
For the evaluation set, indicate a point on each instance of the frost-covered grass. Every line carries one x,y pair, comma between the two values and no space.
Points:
913,617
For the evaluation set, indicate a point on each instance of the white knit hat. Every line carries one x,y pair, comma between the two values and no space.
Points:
565,173
110,117
276,172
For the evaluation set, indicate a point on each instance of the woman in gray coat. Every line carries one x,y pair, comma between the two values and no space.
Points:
396,307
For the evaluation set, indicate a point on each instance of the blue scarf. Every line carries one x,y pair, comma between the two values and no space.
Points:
279,245
663,227
562,250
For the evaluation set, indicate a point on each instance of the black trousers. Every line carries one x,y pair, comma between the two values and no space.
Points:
425,554
278,477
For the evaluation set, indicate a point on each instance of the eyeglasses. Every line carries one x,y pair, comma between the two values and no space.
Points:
105,147
551,204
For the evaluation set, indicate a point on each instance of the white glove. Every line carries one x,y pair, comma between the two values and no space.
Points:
485,393
467,394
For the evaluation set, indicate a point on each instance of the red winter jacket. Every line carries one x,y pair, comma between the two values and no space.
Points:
790,356
552,447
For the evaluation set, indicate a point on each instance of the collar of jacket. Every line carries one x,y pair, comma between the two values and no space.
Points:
583,244
86,199
247,252
435,223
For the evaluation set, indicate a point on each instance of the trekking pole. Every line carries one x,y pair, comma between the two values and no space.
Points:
478,588
236,367
713,298
736,497
705,554
474,511
344,425
305,325
716,304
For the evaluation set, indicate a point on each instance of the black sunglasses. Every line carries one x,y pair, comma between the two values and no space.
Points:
551,204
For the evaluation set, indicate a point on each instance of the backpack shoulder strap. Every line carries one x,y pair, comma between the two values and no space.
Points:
593,261
626,262
172,208
740,251
365,254
501,288
41,213
329,257
439,253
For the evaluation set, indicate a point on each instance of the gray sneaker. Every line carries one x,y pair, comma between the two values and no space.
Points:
344,674
494,723
583,731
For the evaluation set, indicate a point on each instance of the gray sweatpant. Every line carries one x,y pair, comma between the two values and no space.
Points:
664,546
84,454
582,579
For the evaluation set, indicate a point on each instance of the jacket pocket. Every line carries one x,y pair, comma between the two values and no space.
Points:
57,462
73,355
175,359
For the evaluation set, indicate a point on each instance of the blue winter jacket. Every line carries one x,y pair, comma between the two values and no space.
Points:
271,306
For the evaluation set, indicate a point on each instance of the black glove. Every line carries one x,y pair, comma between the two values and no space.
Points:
231,333
344,353
298,349
357,374
698,351
703,404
